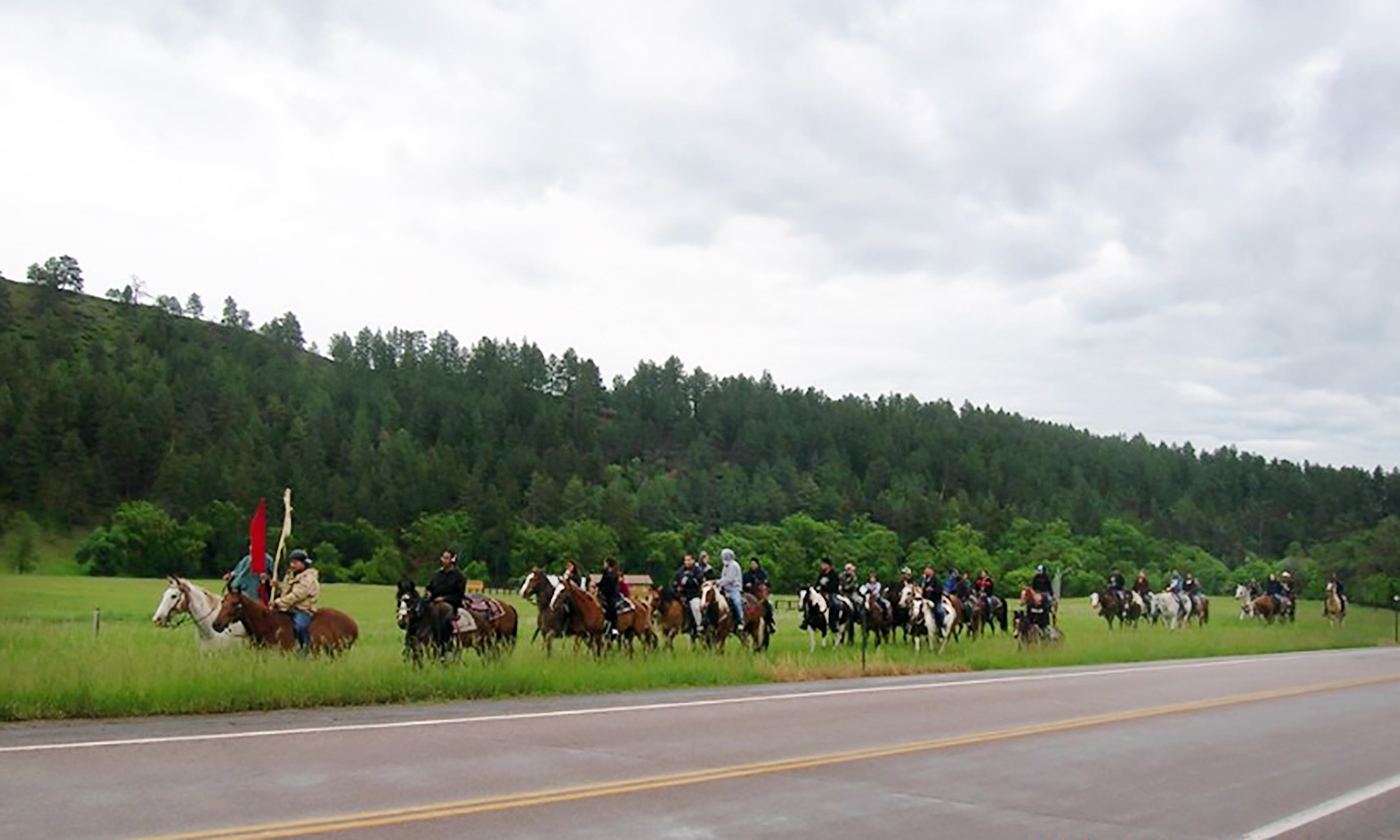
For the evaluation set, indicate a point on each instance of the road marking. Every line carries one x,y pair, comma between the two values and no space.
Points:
443,810
1326,809
678,704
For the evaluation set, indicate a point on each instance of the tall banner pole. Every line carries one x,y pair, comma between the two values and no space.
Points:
286,529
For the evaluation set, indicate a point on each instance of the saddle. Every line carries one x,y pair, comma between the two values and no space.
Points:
484,604
624,605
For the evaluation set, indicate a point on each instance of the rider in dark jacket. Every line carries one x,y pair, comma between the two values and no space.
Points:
688,581
1042,584
829,585
609,585
448,584
753,578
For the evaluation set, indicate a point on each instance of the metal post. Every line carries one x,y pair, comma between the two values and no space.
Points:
96,620
1395,599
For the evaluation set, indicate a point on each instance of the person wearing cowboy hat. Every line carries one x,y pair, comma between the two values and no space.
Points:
300,594
848,586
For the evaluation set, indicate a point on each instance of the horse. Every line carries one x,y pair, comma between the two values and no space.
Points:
331,631
818,618
633,622
1246,599
987,611
1034,624
1199,609
201,606
1269,608
1171,607
1333,609
875,620
668,614
899,614
581,613
426,624
541,587
719,615
924,617
1109,605
756,616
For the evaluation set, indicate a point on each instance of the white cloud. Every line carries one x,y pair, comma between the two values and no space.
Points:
1168,218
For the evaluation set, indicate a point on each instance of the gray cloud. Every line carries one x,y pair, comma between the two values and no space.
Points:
1171,219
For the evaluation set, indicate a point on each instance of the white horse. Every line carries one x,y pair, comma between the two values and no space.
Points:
812,603
1246,601
1172,607
202,606
924,611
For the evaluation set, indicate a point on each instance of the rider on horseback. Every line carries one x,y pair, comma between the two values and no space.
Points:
933,591
301,593
1142,587
609,588
1339,590
849,586
828,584
688,580
1042,584
731,583
985,588
753,579
873,587
1274,589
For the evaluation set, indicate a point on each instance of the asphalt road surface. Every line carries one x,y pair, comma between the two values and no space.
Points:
1295,745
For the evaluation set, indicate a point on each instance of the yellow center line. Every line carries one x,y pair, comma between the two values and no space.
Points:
441,810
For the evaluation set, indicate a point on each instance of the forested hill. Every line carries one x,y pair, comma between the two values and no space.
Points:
142,417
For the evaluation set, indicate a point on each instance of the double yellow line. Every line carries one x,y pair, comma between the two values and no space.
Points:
442,810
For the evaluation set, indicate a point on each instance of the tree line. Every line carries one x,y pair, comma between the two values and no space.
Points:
117,411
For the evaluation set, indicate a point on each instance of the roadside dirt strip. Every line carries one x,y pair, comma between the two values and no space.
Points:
1254,747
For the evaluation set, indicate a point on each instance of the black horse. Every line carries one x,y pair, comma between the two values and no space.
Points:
427,625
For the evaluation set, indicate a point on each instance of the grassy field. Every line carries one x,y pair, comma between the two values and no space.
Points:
53,665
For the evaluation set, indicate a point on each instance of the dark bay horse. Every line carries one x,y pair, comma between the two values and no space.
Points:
332,631
427,625
876,620
1109,605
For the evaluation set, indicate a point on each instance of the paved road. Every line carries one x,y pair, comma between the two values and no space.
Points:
1205,748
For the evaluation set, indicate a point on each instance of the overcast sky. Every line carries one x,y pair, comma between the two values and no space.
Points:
1178,219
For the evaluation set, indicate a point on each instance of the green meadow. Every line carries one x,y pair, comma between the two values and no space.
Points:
55,664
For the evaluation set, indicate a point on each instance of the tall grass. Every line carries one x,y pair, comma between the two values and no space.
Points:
53,665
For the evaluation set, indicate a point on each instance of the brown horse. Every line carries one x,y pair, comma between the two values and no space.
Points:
719,615
1110,605
549,624
1267,608
332,631
668,614
581,614
875,620
756,616
496,625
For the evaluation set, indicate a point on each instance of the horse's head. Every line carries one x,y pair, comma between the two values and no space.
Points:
1094,600
708,594
176,598
532,582
408,602
230,610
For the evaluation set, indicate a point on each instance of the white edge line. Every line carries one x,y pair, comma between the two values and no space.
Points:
643,707
1326,809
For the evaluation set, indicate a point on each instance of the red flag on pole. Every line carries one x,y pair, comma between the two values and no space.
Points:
257,538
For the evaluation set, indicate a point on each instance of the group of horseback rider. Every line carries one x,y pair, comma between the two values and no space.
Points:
844,592
732,581
298,594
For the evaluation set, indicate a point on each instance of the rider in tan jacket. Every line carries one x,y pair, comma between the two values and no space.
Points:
299,594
